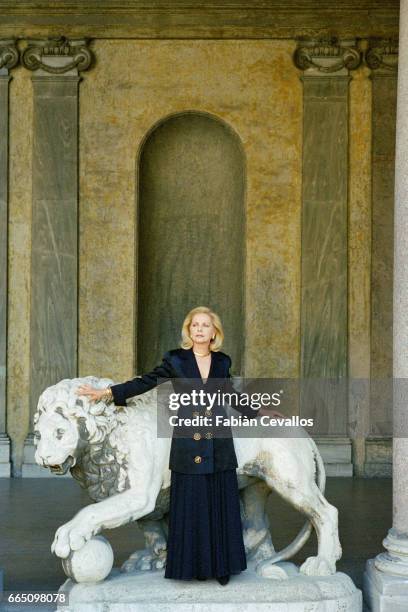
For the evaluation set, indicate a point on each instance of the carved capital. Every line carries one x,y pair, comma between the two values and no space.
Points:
327,55
8,54
57,55
382,55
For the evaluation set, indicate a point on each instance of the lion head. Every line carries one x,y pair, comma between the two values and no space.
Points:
71,433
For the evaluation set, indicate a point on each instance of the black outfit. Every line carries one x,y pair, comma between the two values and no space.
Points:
205,531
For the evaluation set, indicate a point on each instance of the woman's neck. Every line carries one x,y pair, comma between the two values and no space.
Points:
201,349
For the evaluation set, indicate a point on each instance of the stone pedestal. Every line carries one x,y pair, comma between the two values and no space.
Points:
384,592
151,592
4,456
336,454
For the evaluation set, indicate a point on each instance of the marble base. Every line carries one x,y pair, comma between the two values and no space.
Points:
383,592
151,592
337,455
5,465
378,452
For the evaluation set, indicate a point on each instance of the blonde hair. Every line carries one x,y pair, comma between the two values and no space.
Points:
186,341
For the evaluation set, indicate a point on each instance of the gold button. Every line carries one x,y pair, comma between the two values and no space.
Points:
197,436
197,459
208,434
208,413
195,414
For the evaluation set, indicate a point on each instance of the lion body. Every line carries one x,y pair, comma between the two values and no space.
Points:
116,455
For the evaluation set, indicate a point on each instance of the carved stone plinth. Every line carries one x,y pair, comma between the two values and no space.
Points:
246,591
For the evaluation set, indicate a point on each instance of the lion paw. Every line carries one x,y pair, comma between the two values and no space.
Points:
144,560
318,566
71,536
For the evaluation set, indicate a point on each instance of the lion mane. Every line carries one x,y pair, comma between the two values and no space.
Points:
102,452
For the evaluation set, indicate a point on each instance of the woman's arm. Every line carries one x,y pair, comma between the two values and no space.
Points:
136,386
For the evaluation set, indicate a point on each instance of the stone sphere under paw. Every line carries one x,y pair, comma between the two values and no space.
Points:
91,563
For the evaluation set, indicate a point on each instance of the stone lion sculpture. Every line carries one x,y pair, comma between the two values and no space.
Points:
115,455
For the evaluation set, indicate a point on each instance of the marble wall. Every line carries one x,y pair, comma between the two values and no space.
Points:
133,85
254,87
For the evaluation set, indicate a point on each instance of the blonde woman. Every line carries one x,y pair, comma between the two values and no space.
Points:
205,532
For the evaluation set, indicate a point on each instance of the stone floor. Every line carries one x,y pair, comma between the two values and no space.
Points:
32,509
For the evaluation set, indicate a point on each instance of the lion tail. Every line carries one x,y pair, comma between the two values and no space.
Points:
302,537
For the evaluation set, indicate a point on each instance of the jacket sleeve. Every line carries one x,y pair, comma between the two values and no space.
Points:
245,410
141,384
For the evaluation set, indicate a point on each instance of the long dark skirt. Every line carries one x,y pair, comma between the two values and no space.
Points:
205,531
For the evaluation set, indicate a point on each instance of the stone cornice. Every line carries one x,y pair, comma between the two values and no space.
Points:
382,55
327,56
8,54
57,55
222,19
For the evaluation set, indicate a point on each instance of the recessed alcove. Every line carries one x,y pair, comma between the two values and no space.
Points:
191,232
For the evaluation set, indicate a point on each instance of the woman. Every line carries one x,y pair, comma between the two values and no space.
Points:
205,532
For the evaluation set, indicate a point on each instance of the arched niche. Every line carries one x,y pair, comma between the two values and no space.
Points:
191,233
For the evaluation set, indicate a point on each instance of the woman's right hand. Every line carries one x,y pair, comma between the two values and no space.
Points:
95,395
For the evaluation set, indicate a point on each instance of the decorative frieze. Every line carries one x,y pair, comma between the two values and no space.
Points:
206,19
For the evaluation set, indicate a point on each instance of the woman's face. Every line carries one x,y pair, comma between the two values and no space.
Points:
201,328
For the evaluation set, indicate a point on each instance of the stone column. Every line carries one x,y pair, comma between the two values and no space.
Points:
382,59
325,64
386,576
54,259
8,59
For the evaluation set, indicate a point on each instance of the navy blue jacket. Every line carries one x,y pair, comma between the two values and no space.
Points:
198,453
